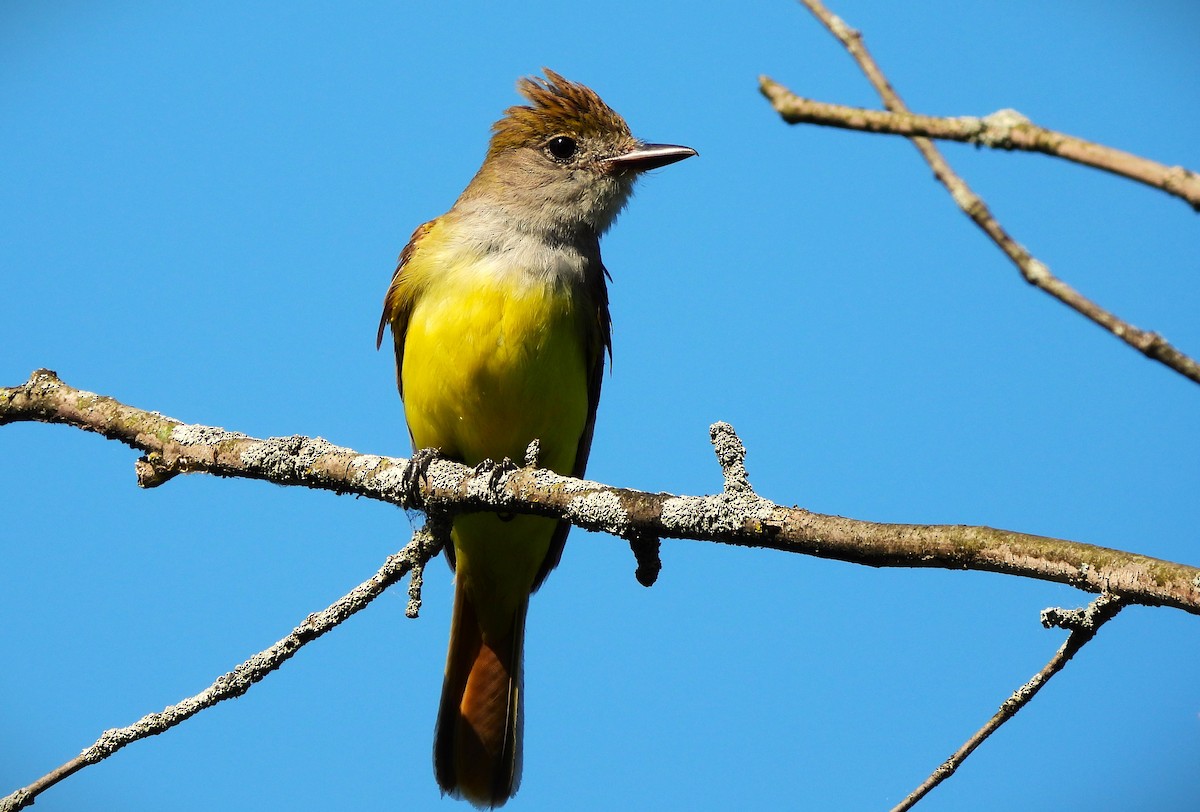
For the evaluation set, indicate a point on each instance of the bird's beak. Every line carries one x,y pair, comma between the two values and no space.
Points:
650,156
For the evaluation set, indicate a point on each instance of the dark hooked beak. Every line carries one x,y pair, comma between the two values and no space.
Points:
650,156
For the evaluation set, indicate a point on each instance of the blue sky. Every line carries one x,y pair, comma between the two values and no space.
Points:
202,210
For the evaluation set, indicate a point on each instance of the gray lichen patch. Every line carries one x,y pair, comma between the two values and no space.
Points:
444,475
998,127
366,462
683,512
713,515
600,509
203,435
276,454
545,479
295,453
390,481
312,450
753,507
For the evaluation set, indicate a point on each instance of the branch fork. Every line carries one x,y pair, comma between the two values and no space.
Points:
1005,129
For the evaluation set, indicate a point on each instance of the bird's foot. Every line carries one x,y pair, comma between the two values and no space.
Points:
496,470
418,472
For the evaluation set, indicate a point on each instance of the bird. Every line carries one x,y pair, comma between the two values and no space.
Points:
499,316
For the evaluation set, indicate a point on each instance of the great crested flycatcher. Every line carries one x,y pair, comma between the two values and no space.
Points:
499,314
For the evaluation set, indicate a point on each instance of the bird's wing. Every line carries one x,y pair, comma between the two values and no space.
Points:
398,303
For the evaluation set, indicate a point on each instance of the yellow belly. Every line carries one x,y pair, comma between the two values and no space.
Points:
489,365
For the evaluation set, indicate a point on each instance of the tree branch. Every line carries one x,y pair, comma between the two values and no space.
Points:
1150,344
1083,623
1004,129
735,516
238,681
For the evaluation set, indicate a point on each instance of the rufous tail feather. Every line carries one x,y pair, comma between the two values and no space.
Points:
477,744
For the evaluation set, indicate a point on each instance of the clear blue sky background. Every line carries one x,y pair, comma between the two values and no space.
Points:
202,206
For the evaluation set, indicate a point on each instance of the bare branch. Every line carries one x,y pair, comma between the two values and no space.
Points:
238,681
1004,129
1084,623
740,518
1150,344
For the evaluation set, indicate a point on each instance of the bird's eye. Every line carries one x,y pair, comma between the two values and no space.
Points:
562,147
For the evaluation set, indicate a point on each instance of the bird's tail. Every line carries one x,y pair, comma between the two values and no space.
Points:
477,744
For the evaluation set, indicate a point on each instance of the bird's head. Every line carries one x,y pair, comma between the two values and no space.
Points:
566,161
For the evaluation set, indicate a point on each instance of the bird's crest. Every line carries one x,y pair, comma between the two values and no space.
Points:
558,106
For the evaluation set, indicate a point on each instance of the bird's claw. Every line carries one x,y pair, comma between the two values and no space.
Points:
418,472
496,470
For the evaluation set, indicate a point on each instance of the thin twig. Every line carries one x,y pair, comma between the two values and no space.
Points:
1150,344
426,543
1084,623
738,517
1004,129
238,681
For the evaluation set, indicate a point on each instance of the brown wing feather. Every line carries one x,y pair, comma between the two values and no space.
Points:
398,303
